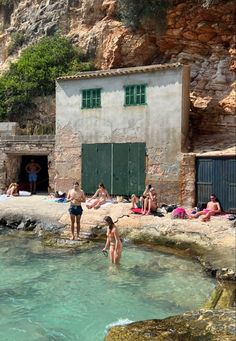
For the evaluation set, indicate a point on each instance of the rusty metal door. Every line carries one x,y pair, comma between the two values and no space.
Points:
218,176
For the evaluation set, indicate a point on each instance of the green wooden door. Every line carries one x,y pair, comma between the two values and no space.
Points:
136,168
120,166
89,172
103,165
120,180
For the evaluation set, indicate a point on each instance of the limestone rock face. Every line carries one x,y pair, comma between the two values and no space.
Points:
197,35
203,325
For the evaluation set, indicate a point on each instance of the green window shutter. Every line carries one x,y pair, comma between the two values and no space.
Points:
138,94
143,94
91,98
135,94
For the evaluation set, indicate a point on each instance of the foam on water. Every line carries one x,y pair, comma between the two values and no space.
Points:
120,322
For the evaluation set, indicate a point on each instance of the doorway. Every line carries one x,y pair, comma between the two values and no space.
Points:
42,182
218,176
120,166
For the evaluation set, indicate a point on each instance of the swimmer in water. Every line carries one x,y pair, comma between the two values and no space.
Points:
113,241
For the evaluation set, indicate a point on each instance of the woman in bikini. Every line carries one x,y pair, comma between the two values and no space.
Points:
150,202
113,240
99,198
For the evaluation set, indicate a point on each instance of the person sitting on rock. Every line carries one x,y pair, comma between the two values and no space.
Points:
13,190
136,202
99,198
213,208
150,201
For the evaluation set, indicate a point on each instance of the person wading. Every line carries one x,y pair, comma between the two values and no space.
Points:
113,241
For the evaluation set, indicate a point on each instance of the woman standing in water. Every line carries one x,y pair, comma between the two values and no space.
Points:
113,240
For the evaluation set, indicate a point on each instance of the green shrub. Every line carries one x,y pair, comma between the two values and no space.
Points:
35,72
17,40
6,2
133,13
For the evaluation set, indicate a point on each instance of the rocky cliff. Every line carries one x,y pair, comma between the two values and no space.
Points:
202,36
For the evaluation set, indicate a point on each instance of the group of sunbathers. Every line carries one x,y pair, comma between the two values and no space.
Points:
147,202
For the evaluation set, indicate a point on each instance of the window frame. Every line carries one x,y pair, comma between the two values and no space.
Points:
136,95
91,98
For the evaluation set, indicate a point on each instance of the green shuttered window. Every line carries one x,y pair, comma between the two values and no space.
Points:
135,94
91,98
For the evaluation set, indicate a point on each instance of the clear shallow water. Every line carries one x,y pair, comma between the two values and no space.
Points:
66,295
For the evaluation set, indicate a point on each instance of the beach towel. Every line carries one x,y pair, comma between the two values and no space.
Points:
136,210
4,197
107,203
24,193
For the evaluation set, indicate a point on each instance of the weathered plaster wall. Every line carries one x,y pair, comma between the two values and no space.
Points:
158,124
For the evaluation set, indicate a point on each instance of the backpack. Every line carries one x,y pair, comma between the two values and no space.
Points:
201,206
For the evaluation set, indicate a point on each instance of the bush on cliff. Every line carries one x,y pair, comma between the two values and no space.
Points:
35,72
135,13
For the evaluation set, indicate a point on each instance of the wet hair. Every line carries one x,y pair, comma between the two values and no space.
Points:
213,195
109,222
101,185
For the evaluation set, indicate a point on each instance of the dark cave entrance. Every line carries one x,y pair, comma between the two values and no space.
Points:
42,181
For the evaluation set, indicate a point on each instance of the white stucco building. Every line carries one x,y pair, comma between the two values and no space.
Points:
123,127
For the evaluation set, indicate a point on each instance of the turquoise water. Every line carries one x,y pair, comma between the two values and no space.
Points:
58,295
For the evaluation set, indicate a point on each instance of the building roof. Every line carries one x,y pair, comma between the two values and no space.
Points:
120,72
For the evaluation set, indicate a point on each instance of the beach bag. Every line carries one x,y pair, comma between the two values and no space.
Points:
232,217
201,206
179,213
170,208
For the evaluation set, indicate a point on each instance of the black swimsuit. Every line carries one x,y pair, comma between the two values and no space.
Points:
75,210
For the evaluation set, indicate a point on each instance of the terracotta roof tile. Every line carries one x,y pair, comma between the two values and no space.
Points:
121,71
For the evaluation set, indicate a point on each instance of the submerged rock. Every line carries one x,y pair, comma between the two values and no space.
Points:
212,325
65,243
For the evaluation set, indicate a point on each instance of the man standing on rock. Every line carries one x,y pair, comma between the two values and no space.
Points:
76,197
32,168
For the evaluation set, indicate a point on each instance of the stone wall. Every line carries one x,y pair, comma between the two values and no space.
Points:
187,180
13,147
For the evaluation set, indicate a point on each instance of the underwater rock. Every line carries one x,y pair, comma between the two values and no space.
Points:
65,243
